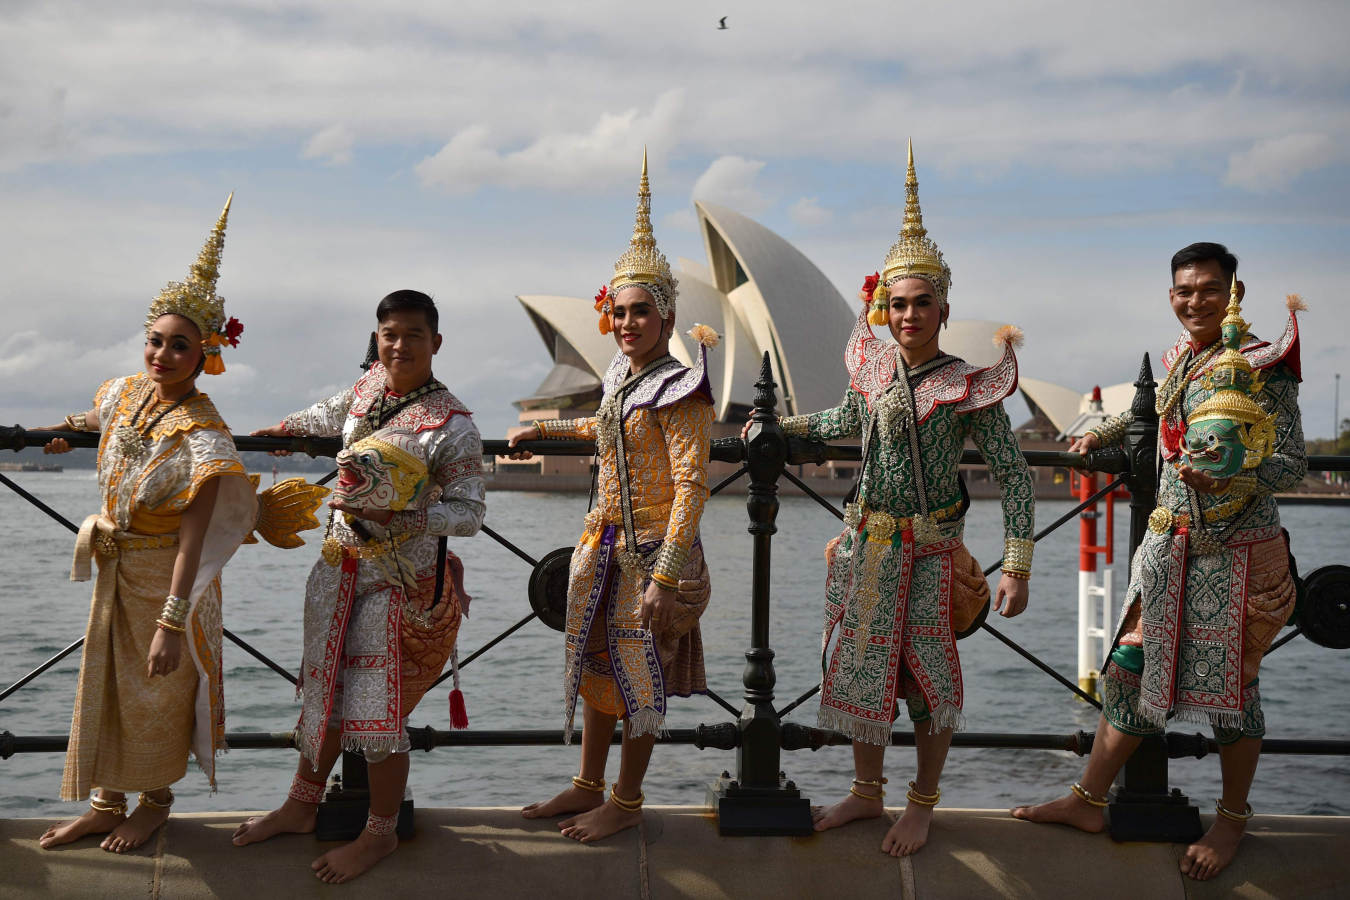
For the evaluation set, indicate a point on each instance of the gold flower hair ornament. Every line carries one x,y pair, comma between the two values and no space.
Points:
196,300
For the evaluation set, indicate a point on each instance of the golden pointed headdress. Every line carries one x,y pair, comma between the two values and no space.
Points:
914,255
196,299
642,264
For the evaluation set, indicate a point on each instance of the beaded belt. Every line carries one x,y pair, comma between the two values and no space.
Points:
881,526
1163,520
109,545
334,551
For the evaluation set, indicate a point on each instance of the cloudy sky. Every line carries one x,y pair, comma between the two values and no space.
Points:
477,150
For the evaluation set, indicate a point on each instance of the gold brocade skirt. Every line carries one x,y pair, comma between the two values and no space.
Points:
679,643
130,732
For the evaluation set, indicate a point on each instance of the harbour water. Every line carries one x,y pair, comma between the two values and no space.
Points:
517,684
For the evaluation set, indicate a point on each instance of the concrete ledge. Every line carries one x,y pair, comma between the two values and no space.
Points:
678,853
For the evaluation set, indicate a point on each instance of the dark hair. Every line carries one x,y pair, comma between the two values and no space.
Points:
405,301
1205,252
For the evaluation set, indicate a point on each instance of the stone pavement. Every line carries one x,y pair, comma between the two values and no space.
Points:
678,853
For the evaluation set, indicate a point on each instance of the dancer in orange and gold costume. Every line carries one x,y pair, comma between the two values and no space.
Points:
638,582
176,505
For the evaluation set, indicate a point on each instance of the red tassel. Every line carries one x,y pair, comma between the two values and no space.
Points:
459,716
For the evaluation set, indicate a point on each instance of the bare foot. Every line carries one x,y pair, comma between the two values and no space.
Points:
572,800
1068,810
350,860
292,817
845,811
1208,856
910,832
600,822
136,830
92,822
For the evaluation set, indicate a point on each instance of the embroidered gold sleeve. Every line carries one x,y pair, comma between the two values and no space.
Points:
686,427
992,433
1110,432
567,429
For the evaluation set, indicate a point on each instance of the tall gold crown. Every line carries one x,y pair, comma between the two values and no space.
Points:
914,255
195,298
642,263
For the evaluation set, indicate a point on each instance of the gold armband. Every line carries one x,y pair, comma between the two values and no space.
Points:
1017,556
77,422
795,426
669,564
1113,429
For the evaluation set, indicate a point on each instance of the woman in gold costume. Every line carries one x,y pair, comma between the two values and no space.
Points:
175,505
638,582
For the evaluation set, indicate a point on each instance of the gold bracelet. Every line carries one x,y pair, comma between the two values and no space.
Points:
1020,576
77,422
170,627
595,787
1229,814
1088,797
914,796
98,804
626,805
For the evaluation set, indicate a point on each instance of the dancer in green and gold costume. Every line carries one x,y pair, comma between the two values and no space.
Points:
901,585
1210,584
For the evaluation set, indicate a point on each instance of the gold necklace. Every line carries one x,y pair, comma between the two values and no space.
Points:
1174,385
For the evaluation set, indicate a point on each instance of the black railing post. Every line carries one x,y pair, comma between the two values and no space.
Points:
760,801
1143,808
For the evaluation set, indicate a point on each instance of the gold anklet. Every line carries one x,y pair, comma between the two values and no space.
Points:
626,805
595,787
914,796
881,791
1229,814
146,800
1088,797
98,804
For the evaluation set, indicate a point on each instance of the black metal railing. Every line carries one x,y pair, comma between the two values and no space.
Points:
760,799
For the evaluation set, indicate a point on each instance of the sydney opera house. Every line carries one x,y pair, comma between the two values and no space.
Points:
761,294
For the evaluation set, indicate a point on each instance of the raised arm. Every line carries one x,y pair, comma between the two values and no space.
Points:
686,427
323,419
843,421
567,429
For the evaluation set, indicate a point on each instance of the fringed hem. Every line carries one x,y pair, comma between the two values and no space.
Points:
853,727
646,721
946,716
1199,715
386,744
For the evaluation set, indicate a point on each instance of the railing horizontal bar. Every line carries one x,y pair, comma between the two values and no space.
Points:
424,738
75,645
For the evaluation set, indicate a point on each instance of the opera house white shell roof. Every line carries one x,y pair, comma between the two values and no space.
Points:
760,293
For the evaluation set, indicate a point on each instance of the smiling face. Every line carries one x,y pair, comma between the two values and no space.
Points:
639,330
173,352
914,318
406,344
1199,297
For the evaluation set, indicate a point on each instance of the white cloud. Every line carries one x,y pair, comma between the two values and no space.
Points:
682,219
1272,164
807,211
732,181
559,161
332,145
